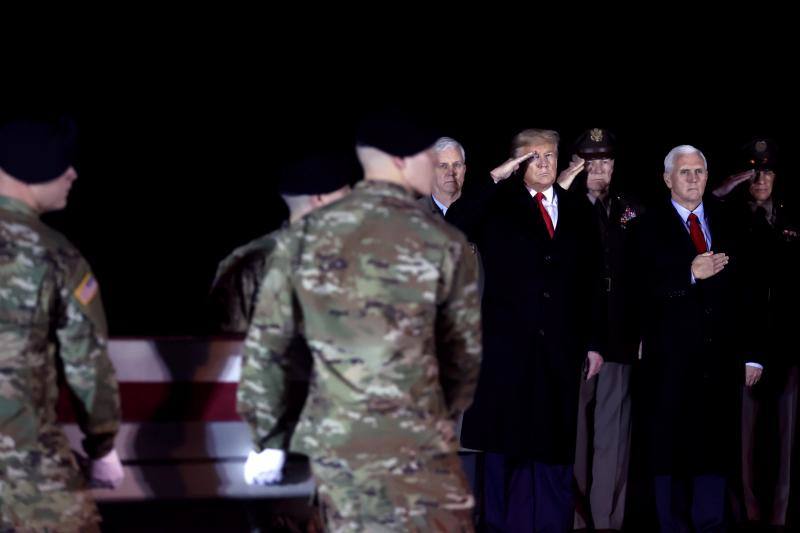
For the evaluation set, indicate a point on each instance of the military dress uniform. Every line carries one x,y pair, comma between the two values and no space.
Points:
604,409
769,408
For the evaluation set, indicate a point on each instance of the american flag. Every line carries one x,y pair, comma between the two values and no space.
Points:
181,436
87,289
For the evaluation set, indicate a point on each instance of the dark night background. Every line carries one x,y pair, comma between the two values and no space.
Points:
177,161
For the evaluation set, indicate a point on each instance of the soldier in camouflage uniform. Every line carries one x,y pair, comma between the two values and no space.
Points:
383,294
305,185
51,325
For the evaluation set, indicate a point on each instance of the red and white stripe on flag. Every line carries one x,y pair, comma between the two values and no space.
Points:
173,379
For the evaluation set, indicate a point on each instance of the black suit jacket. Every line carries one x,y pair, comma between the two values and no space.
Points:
543,308
696,338
429,205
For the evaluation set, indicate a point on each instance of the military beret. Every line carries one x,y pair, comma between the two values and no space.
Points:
35,151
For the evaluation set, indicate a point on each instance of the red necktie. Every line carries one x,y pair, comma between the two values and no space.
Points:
696,232
545,215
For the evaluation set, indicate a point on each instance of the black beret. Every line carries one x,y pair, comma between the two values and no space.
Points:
37,151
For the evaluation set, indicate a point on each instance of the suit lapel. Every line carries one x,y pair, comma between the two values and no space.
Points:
677,232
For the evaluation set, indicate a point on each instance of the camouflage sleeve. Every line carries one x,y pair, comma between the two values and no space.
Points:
458,330
263,385
88,372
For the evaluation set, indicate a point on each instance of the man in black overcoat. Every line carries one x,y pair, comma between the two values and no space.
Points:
696,352
544,321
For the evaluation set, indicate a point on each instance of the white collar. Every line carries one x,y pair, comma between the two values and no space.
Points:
549,193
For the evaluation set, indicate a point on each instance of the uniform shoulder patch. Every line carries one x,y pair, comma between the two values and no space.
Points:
86,290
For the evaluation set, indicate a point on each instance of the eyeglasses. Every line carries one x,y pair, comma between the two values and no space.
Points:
458,166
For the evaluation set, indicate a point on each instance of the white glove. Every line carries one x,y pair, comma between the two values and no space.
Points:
264,468
106,472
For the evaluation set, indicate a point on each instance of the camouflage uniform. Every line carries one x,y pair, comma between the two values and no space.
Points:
51,324
388,304
233,293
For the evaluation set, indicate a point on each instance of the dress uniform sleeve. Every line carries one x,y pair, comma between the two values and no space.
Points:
88,372
263,385
458,329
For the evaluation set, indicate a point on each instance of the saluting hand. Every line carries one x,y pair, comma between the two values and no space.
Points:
506,169
731,182
567,176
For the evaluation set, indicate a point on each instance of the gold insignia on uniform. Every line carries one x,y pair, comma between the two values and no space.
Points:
596,135
86,290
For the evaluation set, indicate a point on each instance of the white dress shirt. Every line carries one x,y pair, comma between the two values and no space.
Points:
440,205
550,203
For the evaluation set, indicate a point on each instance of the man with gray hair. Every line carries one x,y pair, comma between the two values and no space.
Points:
450,170
687,267
446,187
450,167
